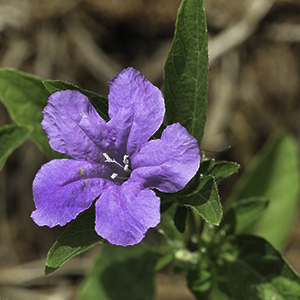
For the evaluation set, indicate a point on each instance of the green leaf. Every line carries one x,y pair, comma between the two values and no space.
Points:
242,214
99,102
25,96
11,137
219,170
205,166
121,273
275,175
180,218
250,268
223,169
199,279
77,238
205,200
186,70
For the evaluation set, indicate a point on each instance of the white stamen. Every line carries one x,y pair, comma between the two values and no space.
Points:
125,168
108,159
125,159
126,162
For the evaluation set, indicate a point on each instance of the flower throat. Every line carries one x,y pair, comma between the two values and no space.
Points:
122,171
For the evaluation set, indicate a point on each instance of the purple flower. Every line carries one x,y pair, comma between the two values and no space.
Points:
114,160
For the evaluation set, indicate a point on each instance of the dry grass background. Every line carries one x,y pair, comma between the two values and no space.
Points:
254,90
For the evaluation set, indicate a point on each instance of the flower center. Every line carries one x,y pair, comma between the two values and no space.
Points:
122,170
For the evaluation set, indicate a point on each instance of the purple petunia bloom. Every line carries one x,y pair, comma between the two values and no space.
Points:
114,160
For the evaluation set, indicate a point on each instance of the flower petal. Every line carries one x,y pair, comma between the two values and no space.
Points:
131,93
168,163
63,188
124,213
119,129
71,121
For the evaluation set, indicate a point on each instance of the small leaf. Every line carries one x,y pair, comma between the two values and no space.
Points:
11,137
180,218
99,102
206,166
219,170
250,268
25,97
205,200
242,214
121,273
186,70
275,175
200,279
77,238
223,169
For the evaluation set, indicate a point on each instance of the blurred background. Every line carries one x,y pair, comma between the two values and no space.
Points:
254,90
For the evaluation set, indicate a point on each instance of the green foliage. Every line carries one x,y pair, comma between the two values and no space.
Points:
200,279
275,175
243,266
99,102
219,170
242,214
206,165
204,200
25,97
180,218
201,193
121,273
223,169
220,262
250,268
232,266
186,70
77,238
11,137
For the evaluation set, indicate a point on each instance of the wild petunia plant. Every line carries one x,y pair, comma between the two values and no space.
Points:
114,162
118,181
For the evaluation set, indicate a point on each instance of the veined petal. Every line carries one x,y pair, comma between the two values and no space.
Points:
71,121
119,129
63,188
130,92
124,213
168,163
